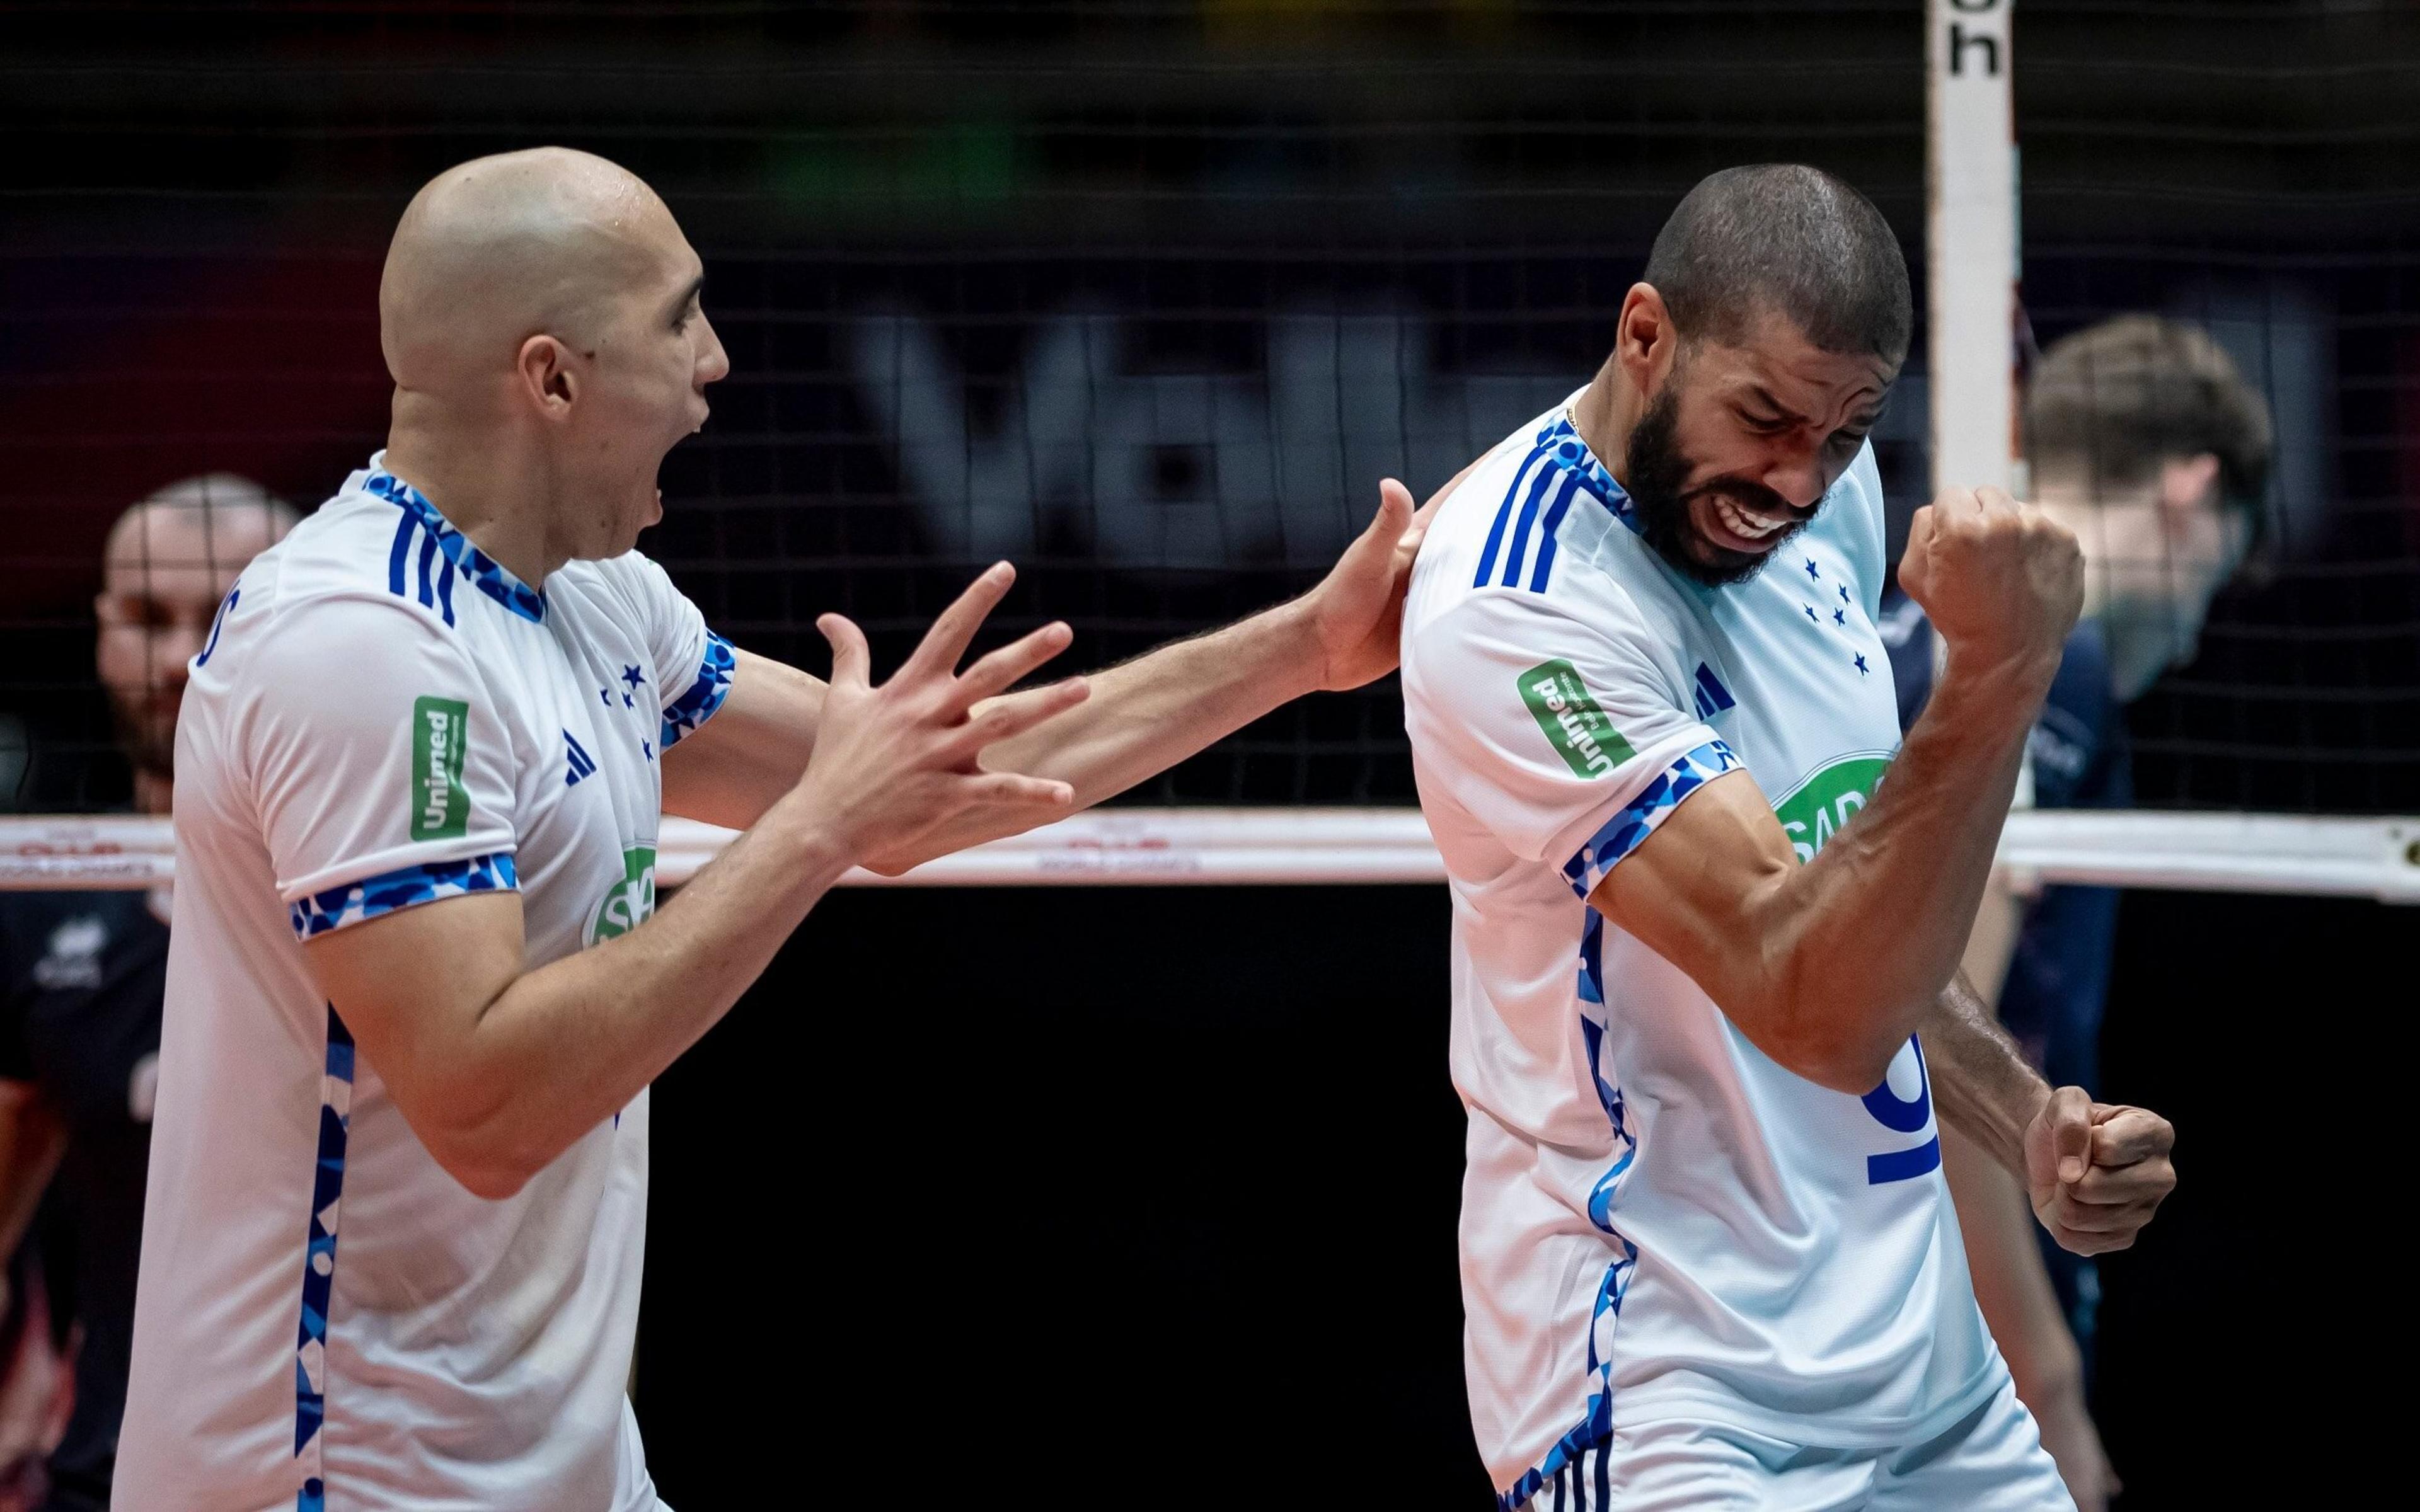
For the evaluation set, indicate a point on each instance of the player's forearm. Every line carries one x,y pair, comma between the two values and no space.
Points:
1982,1086
1144,718
565,1047
1865,936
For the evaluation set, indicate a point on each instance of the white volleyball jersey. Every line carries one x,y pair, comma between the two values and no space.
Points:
1658,1220
383,717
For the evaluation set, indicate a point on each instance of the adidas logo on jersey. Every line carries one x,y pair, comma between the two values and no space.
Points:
578,762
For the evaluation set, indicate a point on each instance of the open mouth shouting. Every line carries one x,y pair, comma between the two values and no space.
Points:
1734,527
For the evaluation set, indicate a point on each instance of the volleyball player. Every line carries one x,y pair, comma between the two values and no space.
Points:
415,993
82,973
1703,952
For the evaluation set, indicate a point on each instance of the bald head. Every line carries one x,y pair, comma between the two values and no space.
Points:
170,559
500,248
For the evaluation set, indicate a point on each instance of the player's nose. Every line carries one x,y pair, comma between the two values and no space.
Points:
714,364
1796,473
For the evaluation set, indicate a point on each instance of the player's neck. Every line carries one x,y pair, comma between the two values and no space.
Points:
1604,415
493,486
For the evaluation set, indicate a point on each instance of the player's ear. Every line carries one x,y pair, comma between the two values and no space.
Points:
1644,342
543,370
2189,483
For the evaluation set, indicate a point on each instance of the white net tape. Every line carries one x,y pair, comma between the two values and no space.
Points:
2213,852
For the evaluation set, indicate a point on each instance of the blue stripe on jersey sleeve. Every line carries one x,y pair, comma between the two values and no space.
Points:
1638,819
403,887
696,706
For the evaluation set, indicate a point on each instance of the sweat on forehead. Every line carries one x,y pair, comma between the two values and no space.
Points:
501,248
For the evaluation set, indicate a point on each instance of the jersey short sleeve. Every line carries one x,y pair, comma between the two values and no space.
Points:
379,767
693,665
1564,737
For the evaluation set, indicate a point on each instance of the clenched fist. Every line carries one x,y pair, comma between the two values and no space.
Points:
2096,1172
1999,580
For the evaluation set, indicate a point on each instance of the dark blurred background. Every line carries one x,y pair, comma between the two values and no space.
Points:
1147,1196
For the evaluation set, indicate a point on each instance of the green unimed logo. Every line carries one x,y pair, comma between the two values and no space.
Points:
441,810
1818,806
1575,725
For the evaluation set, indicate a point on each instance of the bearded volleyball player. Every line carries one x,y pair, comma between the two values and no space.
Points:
415,997
1703,954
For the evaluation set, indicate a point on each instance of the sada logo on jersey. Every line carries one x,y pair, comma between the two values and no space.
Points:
1818,806
628,902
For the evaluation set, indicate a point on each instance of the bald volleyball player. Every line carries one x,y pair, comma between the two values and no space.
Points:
392,1250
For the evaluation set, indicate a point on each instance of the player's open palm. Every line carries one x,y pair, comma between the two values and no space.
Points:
2001,581
895,760
2096,1172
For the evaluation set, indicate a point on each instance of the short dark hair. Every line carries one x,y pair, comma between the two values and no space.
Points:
1781,238
2115,401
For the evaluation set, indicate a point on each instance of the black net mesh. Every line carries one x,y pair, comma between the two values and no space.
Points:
1148,296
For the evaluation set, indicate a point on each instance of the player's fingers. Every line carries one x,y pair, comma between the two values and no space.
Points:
1376,543
1004,717
2147,1180
1915,562
1003,669
852,662
1017,789
2083,1218
1395,511
2124,1135
2069,1117
938,655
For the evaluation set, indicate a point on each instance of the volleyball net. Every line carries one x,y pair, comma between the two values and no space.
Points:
1147,297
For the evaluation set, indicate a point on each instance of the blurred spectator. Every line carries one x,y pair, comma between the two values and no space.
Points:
2143,438
80,976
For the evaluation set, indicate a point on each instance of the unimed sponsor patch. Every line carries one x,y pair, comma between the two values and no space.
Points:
441,810
1575,725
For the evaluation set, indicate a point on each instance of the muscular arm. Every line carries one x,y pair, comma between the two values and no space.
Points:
1829,967
1143,717
499,1067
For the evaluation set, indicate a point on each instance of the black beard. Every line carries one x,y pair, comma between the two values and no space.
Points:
1658,472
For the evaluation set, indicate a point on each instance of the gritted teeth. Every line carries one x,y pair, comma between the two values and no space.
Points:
1752,527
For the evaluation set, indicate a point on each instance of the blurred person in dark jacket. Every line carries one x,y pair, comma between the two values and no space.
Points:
2143,440
81,975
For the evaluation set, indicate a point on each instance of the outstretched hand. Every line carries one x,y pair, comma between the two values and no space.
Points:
1357,609
2095,1171
896,761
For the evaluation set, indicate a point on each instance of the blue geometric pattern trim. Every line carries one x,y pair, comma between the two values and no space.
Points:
319,1265
696,706
1622,833
1560,461
318,913
1597,1423
438,538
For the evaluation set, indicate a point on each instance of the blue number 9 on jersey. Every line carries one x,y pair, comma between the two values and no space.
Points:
1904,1116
